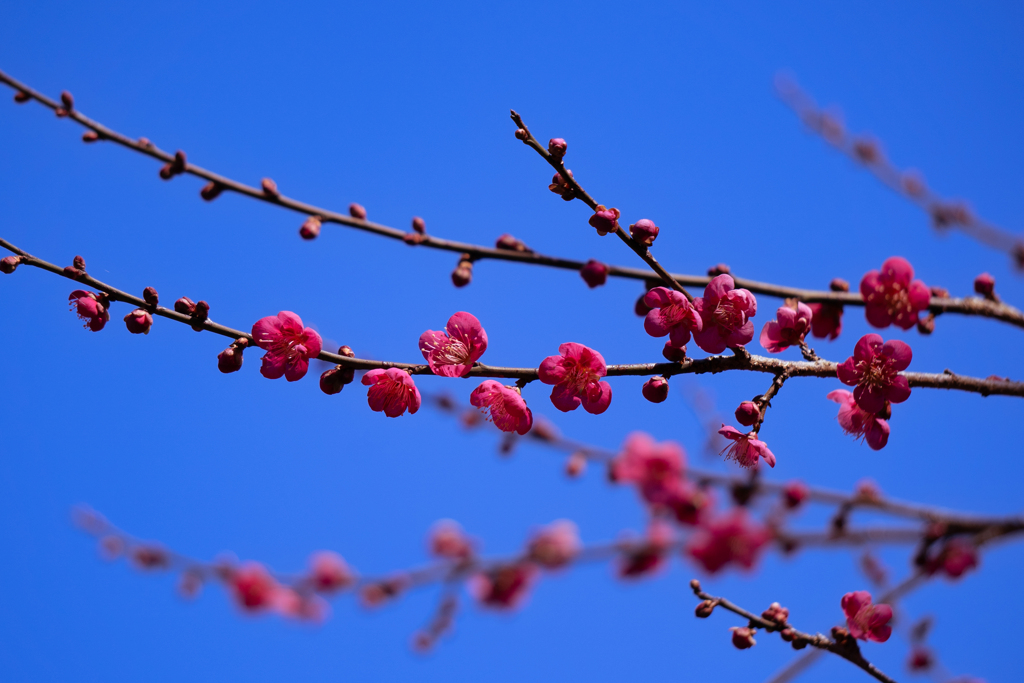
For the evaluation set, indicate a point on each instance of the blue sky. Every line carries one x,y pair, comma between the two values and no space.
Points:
669,113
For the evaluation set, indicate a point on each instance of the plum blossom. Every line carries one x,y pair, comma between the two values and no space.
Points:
866,621
656,468
793,322
604,220
644,231
91,308
859,423
288,345
873,369
730,537
892,296
555,545
504,587
671,314
826,320
451,352
509,411
391,392
746,448
743,637
576,375
725,312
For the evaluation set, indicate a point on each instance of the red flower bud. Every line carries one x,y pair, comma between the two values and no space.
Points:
90,136
335,379
211,191
655,389
463,273
644,231
594,273
521,134
139,321
9,263
230,359
839,285
705,609
357,211
985,285
270,188
557,147
185,306
22,97
674,354
794,494
743,637
748,413
68,100
419,225
310,228
720,269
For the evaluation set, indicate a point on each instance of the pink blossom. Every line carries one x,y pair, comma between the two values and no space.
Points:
90,308
451,352
448,540
504,587
656,468
747,413
873,369
671,314
892,296
826,320
560,187
731,537
557,147
746,448
576,375
138,321
866,621
288,345
725,312
555,545
392,392
789,329
594,273
859,423
644,231
329,572
743,637
509,411
253,586
605,220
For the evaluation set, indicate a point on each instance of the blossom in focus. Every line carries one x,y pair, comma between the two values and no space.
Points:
391,392
576,375
451,352
509,411
725,315
865,620
288,345
138,321
792,324
644,231
892,296
605,220
556,545
503,587
732,537
873,369
89,308
746,449
671,314
859,423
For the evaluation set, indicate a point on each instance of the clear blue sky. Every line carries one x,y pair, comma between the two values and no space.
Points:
669,114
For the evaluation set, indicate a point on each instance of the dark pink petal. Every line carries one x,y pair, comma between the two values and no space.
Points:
848,373
552,370
679,336
919,294
313,343
296,370
771,337
898,270
273,366
719,286
731,432
854,602
596,402
654,323
878,315
867,347
466,328
900,353
870,398
564,398
899,390
878,434
710,339
742,335
869,284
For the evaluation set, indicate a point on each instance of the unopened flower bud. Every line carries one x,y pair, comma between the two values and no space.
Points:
230,359
794,494
557,147
180,163
346,351
165,172
939,292
90,136
510,243
413,238
776,613
21,97
605,220
743,637
640,307
575,465
920,659
705,609
68,100
185,306
674,354
79,263
9,263
357,211
594,273
310,229
521,134
839,285
747,413
144,142
270,188
644,231
926,324
867,151
335,379
463,273
985,285
139,321
211,191
655,389
150,296
419,225
720,269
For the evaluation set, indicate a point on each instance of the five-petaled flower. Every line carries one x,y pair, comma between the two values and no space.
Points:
576,375
873,369
509,411
866,621
391,392
89,308
731,537
793,322
746,449
671,314
725,312
858,422
288,345
892,296
451,352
